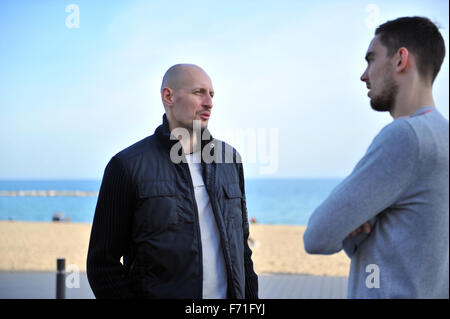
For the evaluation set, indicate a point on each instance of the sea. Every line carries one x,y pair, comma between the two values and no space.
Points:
269,201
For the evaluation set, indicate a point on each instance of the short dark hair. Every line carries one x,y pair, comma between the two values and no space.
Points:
421,37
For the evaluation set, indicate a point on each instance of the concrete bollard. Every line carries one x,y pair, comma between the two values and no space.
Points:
60,278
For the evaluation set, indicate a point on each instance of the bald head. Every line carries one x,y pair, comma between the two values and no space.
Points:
187,94
180,75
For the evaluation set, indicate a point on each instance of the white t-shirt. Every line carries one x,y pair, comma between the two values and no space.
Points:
214,271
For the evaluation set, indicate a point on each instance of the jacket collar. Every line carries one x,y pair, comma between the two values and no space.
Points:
162,132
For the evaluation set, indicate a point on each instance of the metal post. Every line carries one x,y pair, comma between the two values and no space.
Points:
60,278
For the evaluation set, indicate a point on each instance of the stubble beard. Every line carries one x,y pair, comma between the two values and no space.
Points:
386,99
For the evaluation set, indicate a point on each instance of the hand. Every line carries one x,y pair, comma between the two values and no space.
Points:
364,227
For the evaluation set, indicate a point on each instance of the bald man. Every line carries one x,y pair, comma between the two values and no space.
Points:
170,228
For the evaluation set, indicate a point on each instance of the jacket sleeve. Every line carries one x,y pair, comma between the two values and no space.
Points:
378,181
110,234
251,278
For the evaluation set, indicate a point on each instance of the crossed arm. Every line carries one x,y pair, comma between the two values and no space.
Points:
377,182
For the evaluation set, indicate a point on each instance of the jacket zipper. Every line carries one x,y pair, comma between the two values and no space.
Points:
209,185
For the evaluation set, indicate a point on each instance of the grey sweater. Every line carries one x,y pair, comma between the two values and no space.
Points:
401,186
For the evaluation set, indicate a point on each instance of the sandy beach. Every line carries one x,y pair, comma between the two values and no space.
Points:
35,246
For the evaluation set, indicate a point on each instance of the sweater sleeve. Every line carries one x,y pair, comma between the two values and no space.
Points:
110,234
376,183
351,244
251,279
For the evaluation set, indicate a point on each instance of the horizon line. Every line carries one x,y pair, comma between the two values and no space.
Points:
29,179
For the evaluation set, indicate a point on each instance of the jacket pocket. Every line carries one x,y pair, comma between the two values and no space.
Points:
233,202
157,209
156,189
232,191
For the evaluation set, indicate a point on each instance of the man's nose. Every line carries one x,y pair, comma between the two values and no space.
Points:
364,76
207,101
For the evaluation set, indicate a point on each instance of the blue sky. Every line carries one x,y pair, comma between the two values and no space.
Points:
71,98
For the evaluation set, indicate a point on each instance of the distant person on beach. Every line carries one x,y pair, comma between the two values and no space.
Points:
391,214
55,217
172,209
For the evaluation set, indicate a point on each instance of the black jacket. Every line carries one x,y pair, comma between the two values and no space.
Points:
147,214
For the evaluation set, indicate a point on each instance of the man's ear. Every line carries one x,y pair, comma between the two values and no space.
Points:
402,59
167,96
